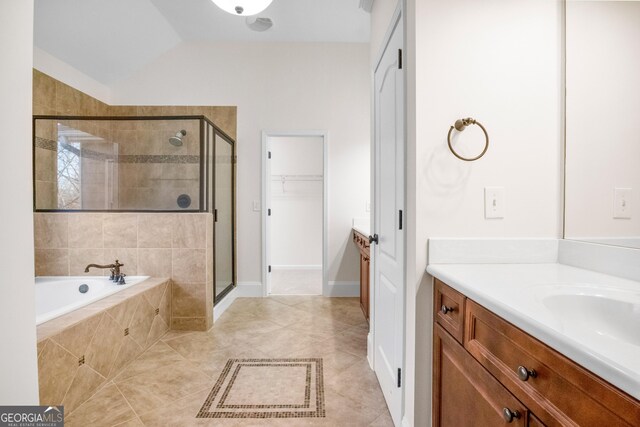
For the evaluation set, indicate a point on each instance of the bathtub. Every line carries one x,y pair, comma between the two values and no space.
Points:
59,295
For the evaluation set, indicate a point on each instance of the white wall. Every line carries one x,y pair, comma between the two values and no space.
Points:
603,108
18,365
52,66
501,64
277,87
296,220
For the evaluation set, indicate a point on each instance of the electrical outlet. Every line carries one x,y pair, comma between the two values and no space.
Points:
256,205
622,203
494,202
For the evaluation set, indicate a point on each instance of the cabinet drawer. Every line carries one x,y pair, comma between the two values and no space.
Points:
556,389
465,394
449,309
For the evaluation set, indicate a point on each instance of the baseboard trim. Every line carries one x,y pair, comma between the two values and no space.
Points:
226,302
343,289
249,290
296,267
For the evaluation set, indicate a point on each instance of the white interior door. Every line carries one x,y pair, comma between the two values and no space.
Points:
389,190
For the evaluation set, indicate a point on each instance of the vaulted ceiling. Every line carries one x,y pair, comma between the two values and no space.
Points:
109,39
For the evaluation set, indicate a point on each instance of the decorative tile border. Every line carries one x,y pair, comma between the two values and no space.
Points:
48,144
304,410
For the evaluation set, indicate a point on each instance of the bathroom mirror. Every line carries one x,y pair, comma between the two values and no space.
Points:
112,164
602,186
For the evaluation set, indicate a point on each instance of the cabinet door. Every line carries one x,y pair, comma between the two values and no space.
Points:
364,285
465,394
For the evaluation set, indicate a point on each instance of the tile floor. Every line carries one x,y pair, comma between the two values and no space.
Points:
169,383
296,282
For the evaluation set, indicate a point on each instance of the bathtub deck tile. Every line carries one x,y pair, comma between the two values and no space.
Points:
76,339
84,385
56,369
102,352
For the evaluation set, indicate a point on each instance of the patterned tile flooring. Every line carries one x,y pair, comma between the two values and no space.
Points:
171,382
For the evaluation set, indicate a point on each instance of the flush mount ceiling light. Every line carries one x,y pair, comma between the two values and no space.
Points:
242,7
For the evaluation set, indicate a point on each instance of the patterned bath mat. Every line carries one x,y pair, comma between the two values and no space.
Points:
267,388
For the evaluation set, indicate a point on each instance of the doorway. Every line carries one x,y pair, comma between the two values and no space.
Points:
294,213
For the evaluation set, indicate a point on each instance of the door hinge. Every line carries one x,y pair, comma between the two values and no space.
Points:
269,154
215,215
400,219
269,269
269,212
400,59
399,377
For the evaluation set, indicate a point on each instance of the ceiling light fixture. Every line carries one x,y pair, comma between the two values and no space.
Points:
242,7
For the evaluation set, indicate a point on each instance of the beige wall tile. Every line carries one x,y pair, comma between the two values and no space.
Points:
105,345
80,258
85,230
120,230
190,231
123,312
189,323
154,295
155,230
50,230
126,256
141,322
188,299
52,262
154,262
46,196
129,350
56,369
189,265
85,383
76,338
165,304
158,329
44,89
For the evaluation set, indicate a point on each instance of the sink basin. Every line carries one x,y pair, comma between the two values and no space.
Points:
596,312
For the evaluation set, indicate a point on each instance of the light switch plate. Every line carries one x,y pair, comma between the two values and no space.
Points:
256,206
622,203
494,202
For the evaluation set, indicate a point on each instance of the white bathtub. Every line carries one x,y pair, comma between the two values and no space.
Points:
58,295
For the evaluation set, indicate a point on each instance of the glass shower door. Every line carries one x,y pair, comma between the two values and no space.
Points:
223,216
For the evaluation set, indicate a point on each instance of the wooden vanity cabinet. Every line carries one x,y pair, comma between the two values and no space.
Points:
497,366
362,242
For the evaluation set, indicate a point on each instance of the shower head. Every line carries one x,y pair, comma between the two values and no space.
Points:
177,139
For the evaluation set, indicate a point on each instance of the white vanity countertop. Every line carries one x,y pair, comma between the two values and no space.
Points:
362,226
589,317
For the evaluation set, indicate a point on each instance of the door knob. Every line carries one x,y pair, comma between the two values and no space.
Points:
510,415
373,239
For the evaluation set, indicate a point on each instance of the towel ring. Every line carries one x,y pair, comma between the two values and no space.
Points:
460,125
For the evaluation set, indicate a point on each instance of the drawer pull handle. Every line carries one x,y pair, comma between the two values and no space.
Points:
444,309
524,373
510,415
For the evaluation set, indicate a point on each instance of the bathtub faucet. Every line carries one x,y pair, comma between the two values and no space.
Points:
115,269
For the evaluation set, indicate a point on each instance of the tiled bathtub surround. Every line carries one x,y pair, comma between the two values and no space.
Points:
82,350
178,246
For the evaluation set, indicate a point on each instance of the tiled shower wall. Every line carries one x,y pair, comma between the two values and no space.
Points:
161,245
178,246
